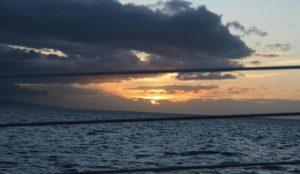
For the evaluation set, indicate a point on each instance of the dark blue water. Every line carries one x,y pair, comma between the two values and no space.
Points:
132,145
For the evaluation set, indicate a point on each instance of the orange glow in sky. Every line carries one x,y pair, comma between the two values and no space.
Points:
166,88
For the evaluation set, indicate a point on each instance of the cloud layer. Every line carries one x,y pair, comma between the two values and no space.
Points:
206,76
173,89
246,31
105,31
101,35
283,47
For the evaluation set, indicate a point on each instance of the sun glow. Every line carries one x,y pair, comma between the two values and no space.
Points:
154,99
42,51
159,89
142,56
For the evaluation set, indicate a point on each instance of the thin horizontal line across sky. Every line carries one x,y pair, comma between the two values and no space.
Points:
136,72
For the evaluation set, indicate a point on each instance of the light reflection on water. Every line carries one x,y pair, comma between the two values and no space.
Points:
133,145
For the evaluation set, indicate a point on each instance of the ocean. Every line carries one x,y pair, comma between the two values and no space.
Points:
83,148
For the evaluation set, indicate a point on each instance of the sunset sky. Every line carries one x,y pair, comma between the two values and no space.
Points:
53,36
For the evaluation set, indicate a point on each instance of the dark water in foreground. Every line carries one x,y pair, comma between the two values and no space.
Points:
132,145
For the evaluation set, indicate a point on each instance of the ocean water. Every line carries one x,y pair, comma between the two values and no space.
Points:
83,148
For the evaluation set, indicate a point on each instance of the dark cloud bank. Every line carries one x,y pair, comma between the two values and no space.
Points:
103,32
99,35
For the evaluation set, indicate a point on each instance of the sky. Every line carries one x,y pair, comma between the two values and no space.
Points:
53,36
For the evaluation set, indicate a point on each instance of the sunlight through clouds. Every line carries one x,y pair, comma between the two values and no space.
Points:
42,51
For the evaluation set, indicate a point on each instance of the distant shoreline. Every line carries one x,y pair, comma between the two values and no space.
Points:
4,102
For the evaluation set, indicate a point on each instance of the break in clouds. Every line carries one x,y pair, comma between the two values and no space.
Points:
102,35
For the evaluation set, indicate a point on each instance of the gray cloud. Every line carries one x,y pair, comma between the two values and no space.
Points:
206,76
282,47
267,55
255,62
61,90
172,89
238,90
246,31
11,90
